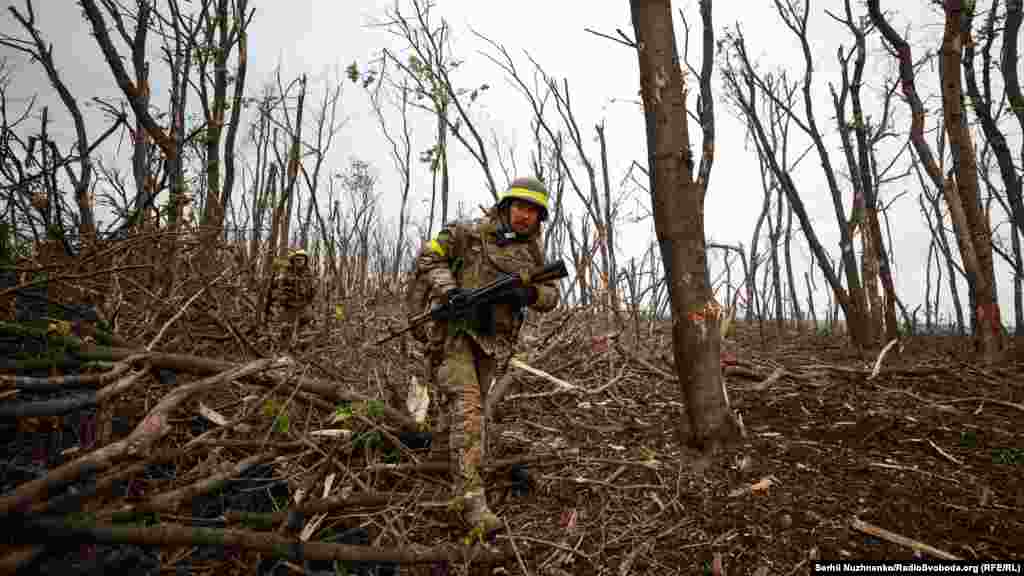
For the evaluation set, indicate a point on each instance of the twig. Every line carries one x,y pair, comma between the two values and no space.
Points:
183,308
764,384
284,407
984,399
242,340
326,505
556,381
515,549
631,557
667,376
881,356
884,534
949,457
555,545
909,469
391,437
170,501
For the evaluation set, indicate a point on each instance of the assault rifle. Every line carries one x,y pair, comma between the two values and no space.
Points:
488,295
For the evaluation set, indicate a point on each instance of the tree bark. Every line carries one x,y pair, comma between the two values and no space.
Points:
960,187
794,299
678,206
963,185
774,231
294,159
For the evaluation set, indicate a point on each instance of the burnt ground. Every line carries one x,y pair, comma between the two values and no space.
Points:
930,449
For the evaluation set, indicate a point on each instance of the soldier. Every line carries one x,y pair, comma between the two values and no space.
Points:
464,357
293,291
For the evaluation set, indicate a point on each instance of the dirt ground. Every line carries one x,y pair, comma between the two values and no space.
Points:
930,448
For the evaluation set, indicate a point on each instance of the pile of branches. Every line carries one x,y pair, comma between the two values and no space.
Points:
182,398
190,435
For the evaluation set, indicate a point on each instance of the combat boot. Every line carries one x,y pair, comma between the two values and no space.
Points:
477,515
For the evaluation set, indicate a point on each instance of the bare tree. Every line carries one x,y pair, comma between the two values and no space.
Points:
401,150
430,68
960,186
678,199
327,127
42,52
852,302
359,183
293,160
875,261
223,30
981,100
598,204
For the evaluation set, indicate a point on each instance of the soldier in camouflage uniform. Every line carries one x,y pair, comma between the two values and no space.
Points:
465,357
293,291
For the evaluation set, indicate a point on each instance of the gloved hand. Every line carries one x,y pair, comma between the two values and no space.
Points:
523,296
457,297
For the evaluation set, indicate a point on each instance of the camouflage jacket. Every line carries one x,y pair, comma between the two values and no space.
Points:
294,288
466,254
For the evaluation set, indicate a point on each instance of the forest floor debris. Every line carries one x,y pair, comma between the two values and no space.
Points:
924,448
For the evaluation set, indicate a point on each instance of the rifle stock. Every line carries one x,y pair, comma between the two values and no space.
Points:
483,296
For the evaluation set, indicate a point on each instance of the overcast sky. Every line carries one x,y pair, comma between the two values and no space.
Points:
318,37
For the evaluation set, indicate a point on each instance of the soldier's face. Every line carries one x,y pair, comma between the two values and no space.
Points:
523,216
300,261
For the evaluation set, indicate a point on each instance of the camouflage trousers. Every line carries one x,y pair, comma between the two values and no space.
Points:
461,381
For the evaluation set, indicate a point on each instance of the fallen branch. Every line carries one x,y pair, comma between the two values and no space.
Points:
65,278
65,382
70,342
153,427
49,530
884,534
200,365
106,483
170,501
309,508
67,404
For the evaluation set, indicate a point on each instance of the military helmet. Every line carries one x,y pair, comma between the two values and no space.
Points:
528,189
297,253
